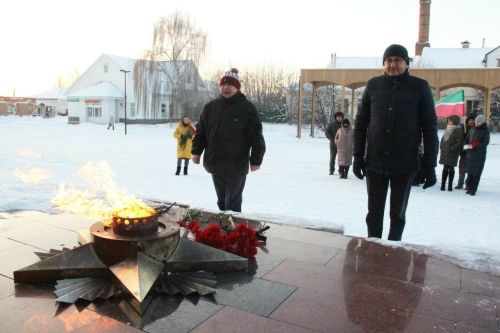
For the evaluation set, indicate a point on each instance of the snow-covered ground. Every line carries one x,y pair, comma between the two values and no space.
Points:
292,187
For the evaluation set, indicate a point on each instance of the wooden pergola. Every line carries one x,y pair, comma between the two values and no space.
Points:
484,79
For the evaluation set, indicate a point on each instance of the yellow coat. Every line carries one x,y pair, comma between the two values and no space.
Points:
184,151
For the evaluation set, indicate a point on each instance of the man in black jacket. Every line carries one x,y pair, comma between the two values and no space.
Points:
330,133
229,132
397,112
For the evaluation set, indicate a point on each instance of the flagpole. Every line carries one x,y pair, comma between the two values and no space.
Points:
463,97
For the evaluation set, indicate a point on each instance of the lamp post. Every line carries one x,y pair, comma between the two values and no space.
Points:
125,77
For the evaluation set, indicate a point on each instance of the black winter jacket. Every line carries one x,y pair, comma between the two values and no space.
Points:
229,131
479,137
331,131
396,113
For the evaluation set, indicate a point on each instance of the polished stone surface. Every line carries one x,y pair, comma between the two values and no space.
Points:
301,281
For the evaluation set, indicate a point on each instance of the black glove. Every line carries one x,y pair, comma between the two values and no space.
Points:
359,167
429,174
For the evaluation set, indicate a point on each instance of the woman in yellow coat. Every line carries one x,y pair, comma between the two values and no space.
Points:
184,134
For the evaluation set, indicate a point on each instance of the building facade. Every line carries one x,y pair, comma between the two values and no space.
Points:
111,86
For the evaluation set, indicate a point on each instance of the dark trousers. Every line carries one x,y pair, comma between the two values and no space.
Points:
377,186
472,182
186,162
333,156
229,191
462,166
419,174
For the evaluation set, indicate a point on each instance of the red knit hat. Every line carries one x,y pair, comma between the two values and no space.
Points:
232,78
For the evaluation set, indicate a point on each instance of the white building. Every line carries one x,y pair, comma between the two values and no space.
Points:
100,92
52,102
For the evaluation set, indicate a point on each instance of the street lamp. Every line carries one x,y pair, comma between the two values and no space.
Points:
125,77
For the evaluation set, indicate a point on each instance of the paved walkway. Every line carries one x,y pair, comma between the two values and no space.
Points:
302,281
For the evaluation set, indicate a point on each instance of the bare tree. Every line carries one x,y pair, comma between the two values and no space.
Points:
476,106
271,87
328,101
212,78
267,85
171,67
68,80
292,100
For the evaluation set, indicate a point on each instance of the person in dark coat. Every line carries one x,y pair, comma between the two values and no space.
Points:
450,146
330,133
229,133
397,112
462,164
476,142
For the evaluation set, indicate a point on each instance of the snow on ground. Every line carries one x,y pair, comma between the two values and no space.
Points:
292,187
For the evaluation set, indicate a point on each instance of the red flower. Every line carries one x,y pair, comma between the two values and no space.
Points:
242,241
211,236
192,226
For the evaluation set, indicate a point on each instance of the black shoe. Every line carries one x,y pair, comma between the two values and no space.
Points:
459,187
473,193
185,171
468,192
331,173
178,171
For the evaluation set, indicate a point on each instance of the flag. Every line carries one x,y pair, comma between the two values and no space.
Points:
451,105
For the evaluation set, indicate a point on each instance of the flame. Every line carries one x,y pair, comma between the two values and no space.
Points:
33,175
134,212
103,199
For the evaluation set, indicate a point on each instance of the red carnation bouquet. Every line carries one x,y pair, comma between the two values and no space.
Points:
241,240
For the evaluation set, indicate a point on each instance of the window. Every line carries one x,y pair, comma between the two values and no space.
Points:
105,67
132,109
94,112
163,108
498,62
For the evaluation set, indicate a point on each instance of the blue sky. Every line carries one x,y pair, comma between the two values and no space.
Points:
44,39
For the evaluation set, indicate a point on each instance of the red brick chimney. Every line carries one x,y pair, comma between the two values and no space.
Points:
423,26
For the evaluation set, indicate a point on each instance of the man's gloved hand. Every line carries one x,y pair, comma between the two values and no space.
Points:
467,147
429,174
359,167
